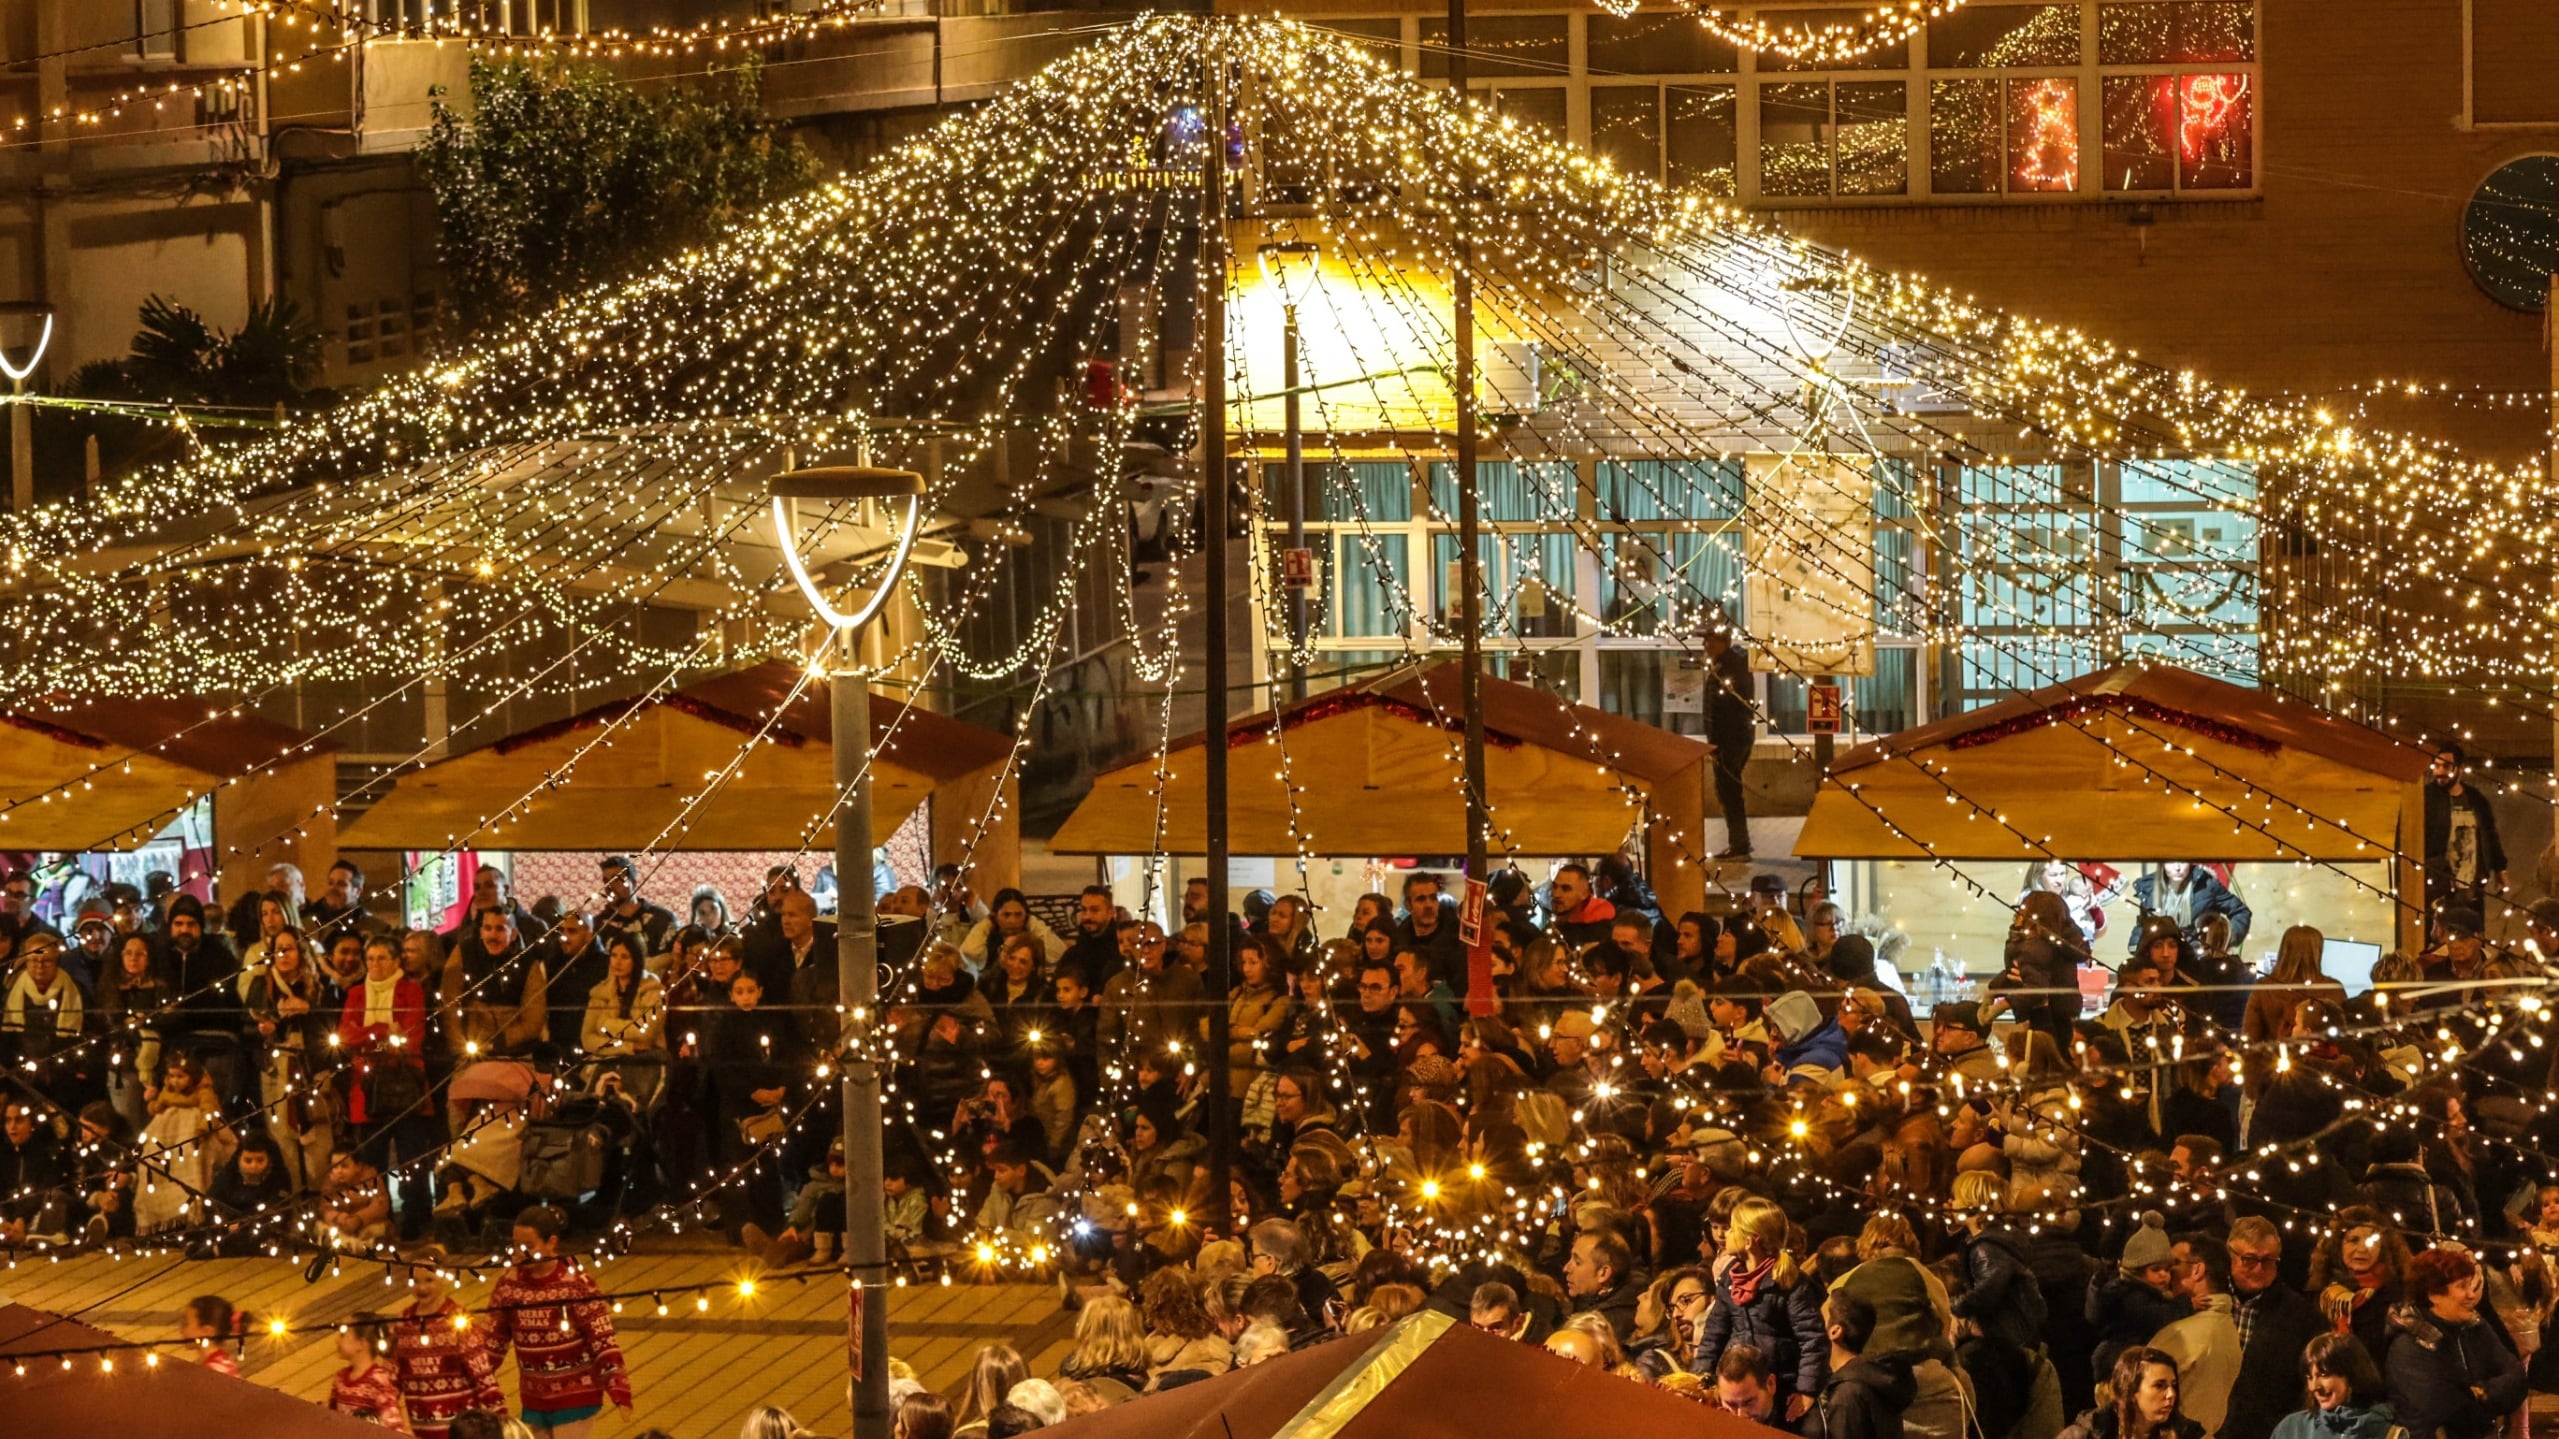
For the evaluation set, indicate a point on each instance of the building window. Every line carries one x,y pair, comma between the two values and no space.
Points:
1538,106
2015,136
1500,45
2092,97
1834,137
2069,568
2180,132
1685,136
155,30
2187,121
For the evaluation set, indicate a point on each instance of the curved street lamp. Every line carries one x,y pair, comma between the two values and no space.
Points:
837,484
857,936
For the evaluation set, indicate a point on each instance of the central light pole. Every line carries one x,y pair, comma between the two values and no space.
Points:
857,935
1213,512
1470,558
22,432
1281,265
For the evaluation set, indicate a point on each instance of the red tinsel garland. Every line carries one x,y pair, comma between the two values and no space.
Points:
54,732
606,714
2212,729
1342,702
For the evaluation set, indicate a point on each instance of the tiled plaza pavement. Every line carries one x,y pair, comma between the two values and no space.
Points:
697,1372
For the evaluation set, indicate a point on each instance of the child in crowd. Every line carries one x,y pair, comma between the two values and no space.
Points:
214,1327
366,1388
353,1199
2140,1298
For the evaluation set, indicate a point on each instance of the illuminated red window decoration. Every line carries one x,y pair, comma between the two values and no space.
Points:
2215,148
2043,135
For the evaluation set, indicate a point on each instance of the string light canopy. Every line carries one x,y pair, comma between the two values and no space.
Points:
936,300
1822,41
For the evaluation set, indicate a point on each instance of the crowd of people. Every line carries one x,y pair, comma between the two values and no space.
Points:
1720,1153
1716,1152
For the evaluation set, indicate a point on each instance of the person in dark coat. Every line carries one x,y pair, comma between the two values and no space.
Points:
2001,1297
1851,961
2464,857
1600,1276
2276,1322
2397,1183
2183,892
2448,1375
2140,1298
574,960
1863,1398
2045,950
2002,1304
1093,947
752,1060
1732,723
2147,1394
1764,1300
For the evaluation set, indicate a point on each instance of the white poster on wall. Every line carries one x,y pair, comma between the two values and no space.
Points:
1809,586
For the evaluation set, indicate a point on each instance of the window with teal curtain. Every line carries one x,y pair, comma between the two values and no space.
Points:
1373,585
2190,559
1636,490
1552,561
1514,606
1373,491
1660,582
2066,568
1898,607
1511,493
1635,683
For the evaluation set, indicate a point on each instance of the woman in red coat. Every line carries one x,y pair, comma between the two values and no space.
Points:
382,1034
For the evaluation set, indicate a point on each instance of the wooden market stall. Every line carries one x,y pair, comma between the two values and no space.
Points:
2138,760
649,784
1431,1376
1375,768
73,1378
80,775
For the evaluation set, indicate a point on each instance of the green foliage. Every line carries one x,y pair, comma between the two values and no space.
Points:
562,177
178,358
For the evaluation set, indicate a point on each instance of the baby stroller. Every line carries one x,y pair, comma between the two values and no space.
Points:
491,1103
585,1155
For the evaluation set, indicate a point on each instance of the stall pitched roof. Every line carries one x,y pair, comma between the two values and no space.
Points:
563,787
1564,778
225,744
1426,1377
2172,695
174,1399
1514,714
909,736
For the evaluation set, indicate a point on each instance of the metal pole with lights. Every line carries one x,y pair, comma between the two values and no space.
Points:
22,431
856,916
1470,557
1290,265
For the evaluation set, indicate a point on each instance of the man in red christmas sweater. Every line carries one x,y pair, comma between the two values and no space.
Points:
567,1363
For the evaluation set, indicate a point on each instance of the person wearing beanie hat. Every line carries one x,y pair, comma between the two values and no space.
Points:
1805,1040
2131,1305
1911,1323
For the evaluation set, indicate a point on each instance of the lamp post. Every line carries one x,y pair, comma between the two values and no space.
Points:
1289,265
1470,558
22,433
856,918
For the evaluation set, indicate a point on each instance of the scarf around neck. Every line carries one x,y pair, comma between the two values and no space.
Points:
1746,1279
